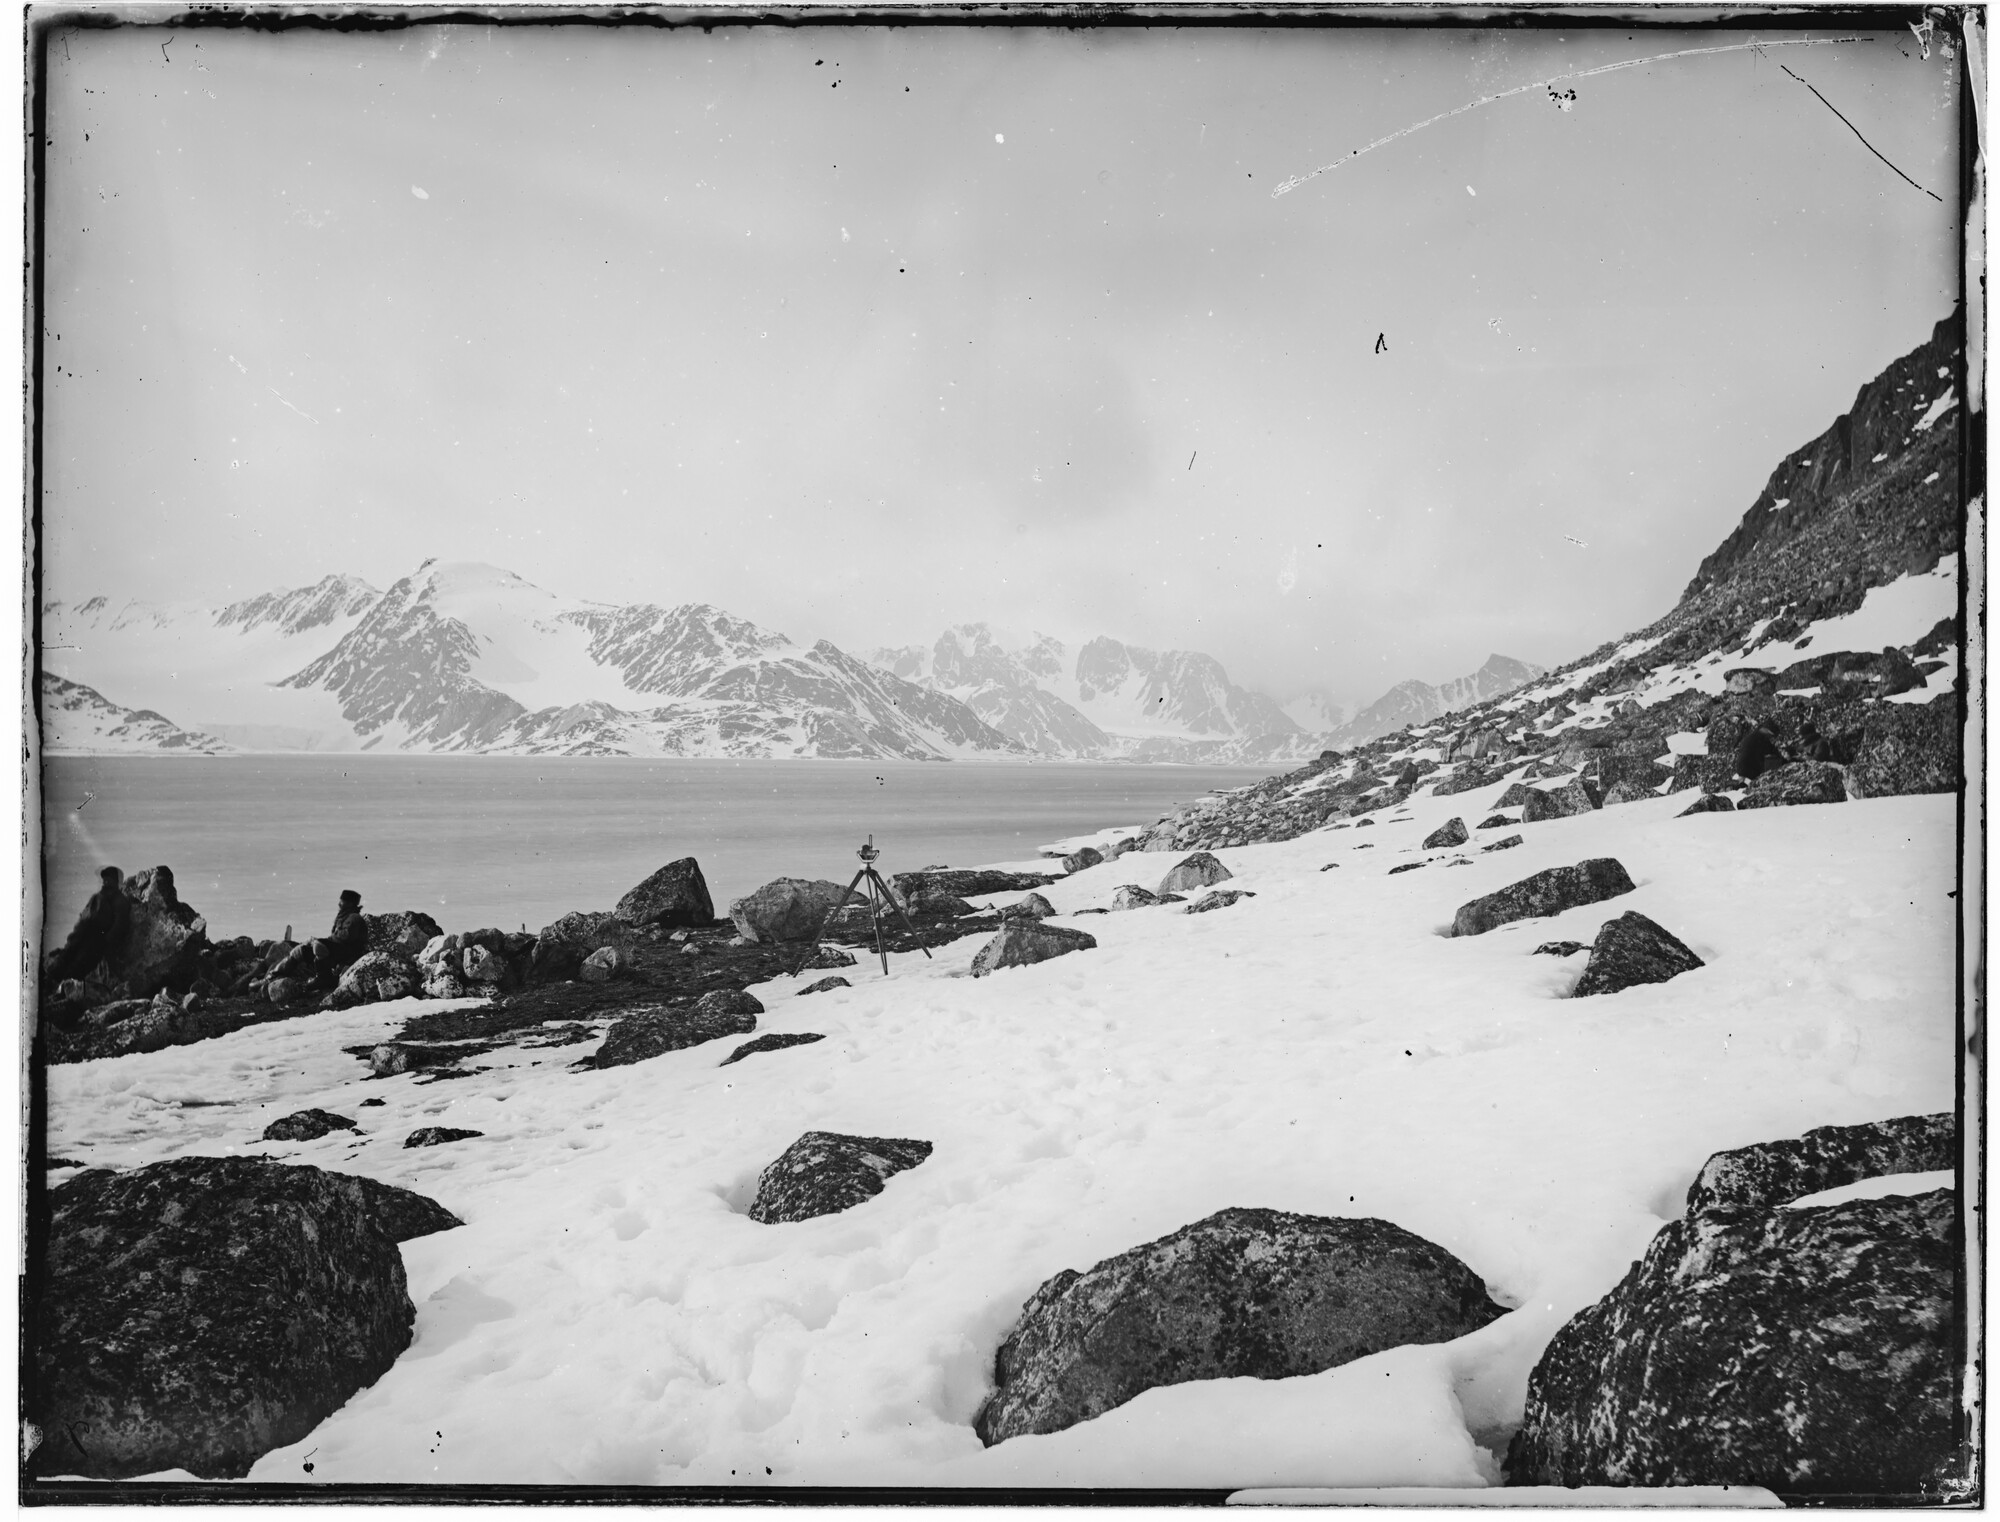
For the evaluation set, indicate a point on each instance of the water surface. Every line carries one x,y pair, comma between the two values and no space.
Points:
261,842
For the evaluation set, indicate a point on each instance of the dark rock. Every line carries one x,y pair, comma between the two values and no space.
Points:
1034,906
1077,861
1244,1292
1771,1174
306,1125
825,984
437,1136
1712,774
407,931
1546,893
1020,942
402,1213
378,976
1496,822
940,905
1708,803
200,1312
164,946
1639,772
674,895
968,883
1909,748
1464,781
1559,949
559,950
1800,782
1749,679
367,1102
1558,803
1451,833
1631,950
393,1057
1506,844
1625,792
651,1033
1516,795
1132,896
773,1041
827,957
824,1172
1200,870
1808,1351
1365,824
1216,898
786,909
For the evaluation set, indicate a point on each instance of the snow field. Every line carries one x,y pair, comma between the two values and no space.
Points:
609,1314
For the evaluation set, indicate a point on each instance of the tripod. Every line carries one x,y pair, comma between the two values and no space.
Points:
877,895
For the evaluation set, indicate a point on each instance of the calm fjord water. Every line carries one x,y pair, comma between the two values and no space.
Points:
260,842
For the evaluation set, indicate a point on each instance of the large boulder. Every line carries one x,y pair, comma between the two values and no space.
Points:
1625,792
1770,1174
1800,782
167,939
674,896
1631,950
1909,748
1546,893
560,949
650,1032
1132,896
306,1125
1640,773
1516,795
1021,941
604,964
824,1172
378,976
407,931
200,1312
1451,833
1078,861
1200,870
1809,1351
1464,780
972,882
1557,803
785,909
1710,773
1222,898
1244,1292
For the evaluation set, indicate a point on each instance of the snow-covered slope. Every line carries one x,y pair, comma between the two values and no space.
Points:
610,1315
80,721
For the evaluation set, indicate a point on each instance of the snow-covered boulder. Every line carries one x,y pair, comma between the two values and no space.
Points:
1033,906
1770,1174
1800,782
650,1033
306,1125
1546,893
1020,942
1132,896
785,909
379,975
1630,950
1078,861
675,895
200,1312
1245,1292
1222,898
1200,870
604,964
824,1172
1451,833
1807,1351
1557,803
825,985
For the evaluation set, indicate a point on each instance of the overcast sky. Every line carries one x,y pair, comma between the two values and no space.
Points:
858,333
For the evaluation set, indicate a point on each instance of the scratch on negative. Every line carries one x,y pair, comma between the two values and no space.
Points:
306,415
1864,141
1542,84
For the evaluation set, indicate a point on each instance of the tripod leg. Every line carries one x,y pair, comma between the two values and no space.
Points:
904,918
820,934
875,919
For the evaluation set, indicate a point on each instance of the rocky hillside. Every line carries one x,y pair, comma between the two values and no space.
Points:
80,721
1831,613
1416,702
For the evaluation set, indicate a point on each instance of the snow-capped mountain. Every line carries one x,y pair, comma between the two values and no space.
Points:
466,657
80,721
1002,687
1416,702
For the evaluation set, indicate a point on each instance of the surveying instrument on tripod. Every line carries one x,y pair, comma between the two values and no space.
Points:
878,897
